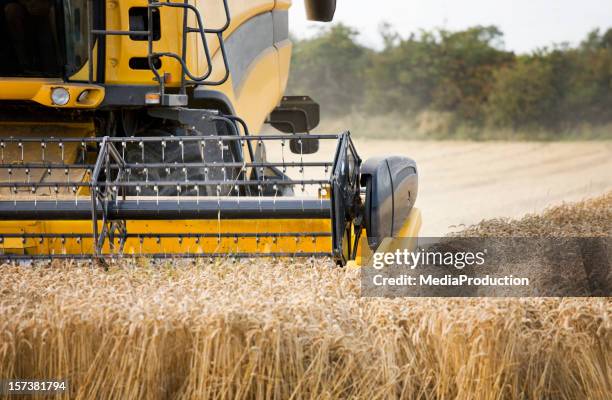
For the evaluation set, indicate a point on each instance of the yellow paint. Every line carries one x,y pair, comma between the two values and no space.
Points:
250,103
39,90
82,75
282,4
134,246
284,62
410,231
176,245
120,49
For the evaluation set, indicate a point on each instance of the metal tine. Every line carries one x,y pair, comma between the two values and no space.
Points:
203,150
142,147
43,146
163,150
2,145
84,151
283,145
197,242
261,169
20,145
322,193
61,147
259,189
302,164
219,214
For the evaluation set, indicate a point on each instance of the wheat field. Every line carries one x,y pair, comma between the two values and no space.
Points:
299,330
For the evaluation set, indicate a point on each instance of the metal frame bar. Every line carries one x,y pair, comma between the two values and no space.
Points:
207,208
164,256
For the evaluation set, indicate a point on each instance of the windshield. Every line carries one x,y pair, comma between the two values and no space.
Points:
42,38
76,21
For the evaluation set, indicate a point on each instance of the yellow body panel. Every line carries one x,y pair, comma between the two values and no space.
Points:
249,102
39,90
134,246
409,233
82,75
121,48
214,245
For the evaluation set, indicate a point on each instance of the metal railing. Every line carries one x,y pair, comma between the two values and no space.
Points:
187,76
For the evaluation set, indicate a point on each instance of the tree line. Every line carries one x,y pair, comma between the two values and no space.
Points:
466,75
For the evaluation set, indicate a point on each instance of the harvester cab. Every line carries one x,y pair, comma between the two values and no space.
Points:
132,128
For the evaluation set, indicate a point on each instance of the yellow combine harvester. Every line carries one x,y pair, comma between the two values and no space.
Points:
131,128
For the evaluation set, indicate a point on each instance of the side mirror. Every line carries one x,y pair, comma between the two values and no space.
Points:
297,114
320,10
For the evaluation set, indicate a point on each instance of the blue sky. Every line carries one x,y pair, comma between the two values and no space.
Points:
527,24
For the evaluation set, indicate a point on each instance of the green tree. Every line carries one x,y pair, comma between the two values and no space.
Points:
404,75
524,95
330,67
441,70
465,74
468,60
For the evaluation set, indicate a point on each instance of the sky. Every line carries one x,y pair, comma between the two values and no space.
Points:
527,24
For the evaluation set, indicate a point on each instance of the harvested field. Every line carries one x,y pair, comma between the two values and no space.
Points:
285,330
462,183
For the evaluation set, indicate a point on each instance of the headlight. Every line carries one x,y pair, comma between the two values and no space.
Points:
83,96
60,96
